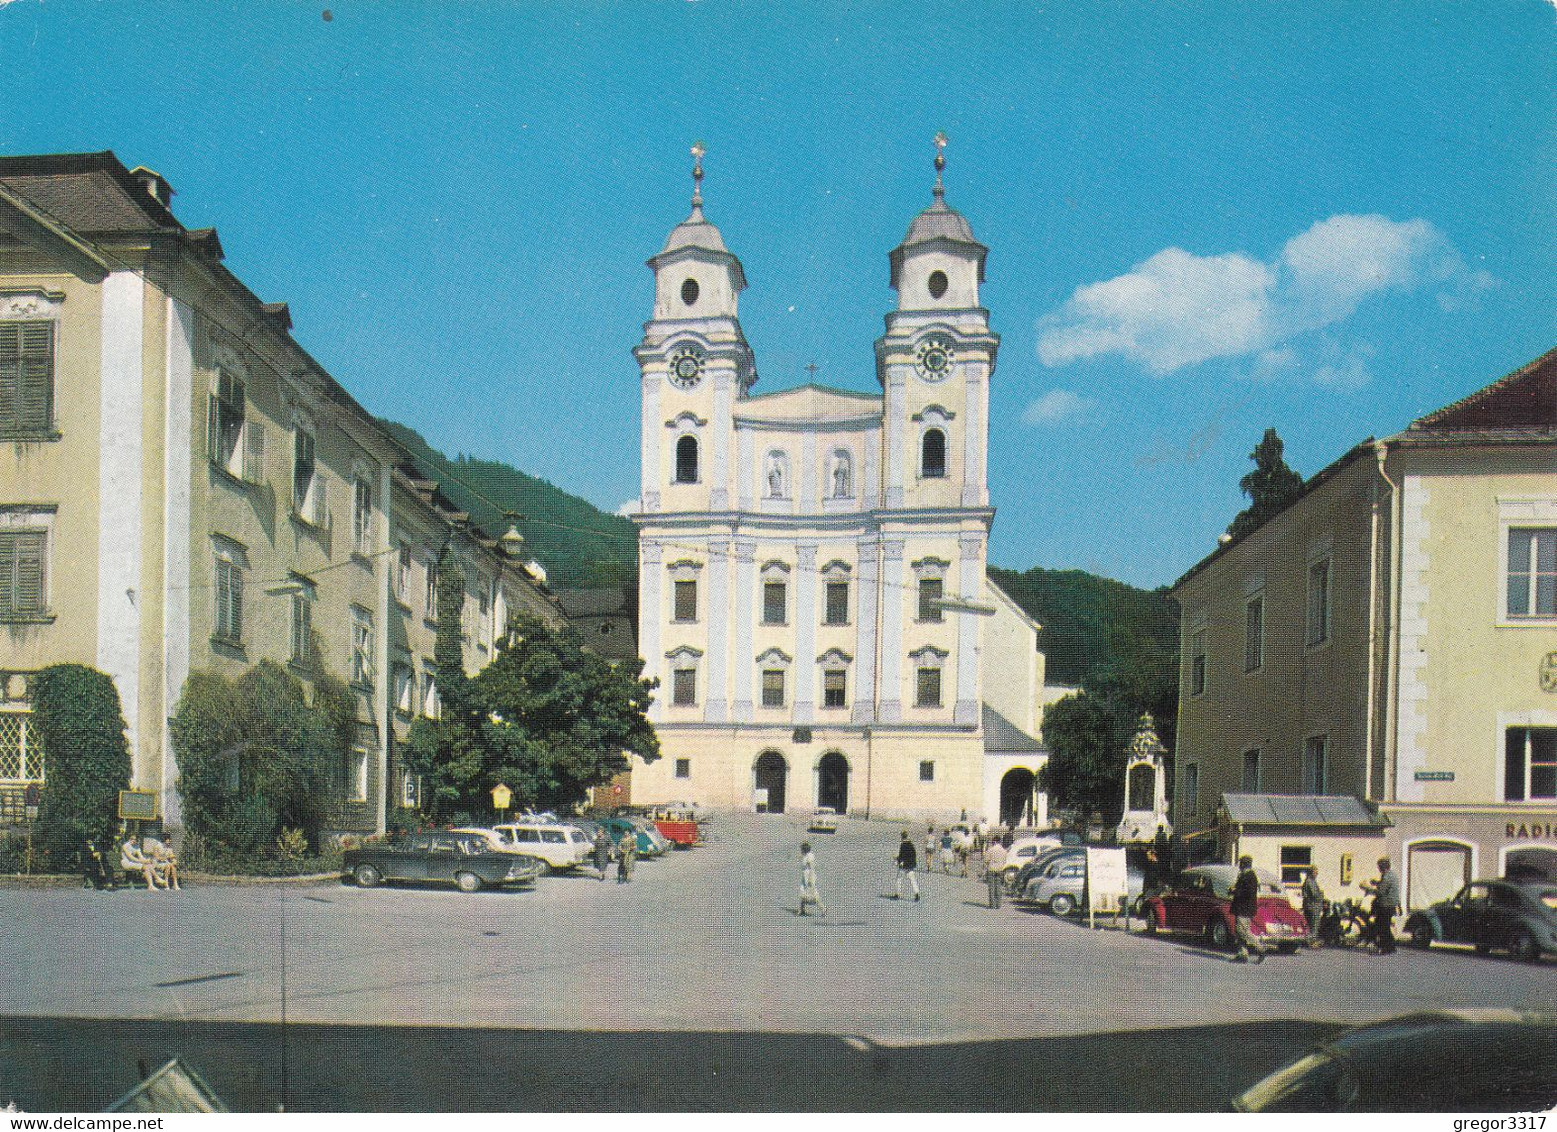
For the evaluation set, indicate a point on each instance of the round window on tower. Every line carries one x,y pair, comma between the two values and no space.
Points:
689,292
938,284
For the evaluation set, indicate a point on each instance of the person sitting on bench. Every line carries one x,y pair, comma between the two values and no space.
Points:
162,860
133,861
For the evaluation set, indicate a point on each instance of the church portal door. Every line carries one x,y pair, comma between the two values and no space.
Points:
832,782
1016,797
772,775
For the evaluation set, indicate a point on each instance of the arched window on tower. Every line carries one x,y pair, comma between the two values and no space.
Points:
932,455
686,460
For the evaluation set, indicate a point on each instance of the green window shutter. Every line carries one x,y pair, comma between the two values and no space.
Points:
253,451
29,572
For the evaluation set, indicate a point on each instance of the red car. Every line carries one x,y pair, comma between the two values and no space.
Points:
1200,903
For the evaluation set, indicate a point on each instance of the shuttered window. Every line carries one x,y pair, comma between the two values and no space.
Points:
229,601
224,424
21,573
26,378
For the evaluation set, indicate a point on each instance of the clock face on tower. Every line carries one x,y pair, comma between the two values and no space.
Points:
686,367
935,358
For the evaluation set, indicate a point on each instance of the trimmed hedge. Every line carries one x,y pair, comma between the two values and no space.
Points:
77,714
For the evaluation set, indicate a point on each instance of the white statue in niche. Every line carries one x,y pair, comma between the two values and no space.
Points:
842,489
776,475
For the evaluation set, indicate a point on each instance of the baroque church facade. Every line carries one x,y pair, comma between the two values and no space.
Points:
813,596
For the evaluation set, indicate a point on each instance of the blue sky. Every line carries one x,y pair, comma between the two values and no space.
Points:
1203,220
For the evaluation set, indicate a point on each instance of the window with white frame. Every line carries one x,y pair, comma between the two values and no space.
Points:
21,749
774,667
1295,862
432,703
26,379
403,574
357,775
430,608
1529,764
361,646
931,576
835,688
235,443
362,515
1251,772
683,675
1532,573
302,636
24,560
307,487
1318,620
1197,662
405,687
230,563
1316,769
685,600
928,663
1189,790
1254,633
775,594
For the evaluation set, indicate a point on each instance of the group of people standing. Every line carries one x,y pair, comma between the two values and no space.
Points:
625,851
1246,898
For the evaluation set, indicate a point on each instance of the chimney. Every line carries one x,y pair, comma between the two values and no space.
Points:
156,186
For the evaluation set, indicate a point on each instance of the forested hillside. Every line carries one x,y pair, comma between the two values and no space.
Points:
578,544
1092,625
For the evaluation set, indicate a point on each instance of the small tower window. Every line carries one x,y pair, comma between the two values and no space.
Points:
932,458
689,290
938,284
686,460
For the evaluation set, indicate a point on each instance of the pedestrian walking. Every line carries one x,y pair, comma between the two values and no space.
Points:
808,890
907,862
1313,904
626,848
929,850
1246,901
602,851
1386,903
994,872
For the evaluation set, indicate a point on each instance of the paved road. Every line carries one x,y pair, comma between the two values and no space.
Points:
702,960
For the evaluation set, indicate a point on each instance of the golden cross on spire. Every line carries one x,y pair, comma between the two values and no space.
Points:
697,174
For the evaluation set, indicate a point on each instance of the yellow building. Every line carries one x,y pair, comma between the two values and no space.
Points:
812,593
1373,671
183,487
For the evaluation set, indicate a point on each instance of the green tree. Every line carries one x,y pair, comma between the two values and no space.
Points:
1270,487
1085,770
557,719
76,710
449,752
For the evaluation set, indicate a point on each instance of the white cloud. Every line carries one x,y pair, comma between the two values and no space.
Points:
628,509
1056,405
1178,309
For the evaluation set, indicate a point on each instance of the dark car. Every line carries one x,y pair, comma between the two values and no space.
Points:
461,859
1518,918
1200,903
1443,1061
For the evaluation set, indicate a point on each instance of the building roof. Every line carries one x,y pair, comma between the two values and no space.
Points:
1525,399
91,193
937,224
1330,810
1001,736
596,601
808,403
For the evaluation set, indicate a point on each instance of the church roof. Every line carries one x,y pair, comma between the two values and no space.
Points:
808,403
937,224
694,232
1006,738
